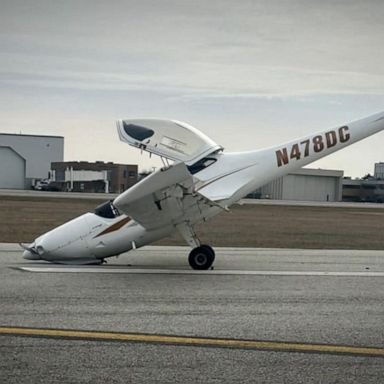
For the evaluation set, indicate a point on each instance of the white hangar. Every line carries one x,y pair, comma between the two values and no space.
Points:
24,158
306,185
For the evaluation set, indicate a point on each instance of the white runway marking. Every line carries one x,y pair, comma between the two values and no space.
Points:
81,269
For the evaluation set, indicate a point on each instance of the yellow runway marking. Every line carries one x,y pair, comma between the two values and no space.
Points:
194,341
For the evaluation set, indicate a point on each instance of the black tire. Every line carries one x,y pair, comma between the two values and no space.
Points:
209,249
201,257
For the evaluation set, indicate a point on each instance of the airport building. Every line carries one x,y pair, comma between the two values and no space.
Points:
82,176
25,158
369,189
379,171
306,185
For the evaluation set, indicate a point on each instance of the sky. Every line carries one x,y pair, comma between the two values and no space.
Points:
249,74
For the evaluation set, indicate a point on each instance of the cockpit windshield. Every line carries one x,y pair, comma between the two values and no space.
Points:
201,164
107,210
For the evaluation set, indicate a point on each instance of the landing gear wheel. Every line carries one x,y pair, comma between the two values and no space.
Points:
209,249
201,257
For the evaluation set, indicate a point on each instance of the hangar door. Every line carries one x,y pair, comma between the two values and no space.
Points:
310,188
12,169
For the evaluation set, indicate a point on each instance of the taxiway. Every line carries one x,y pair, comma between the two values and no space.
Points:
262,315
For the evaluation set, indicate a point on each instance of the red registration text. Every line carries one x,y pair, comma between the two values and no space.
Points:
316,144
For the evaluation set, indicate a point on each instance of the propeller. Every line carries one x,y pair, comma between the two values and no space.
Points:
30,252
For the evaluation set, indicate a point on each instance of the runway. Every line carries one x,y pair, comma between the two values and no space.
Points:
78,269
108,196
261,315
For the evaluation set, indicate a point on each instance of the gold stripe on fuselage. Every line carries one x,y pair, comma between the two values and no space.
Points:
114,227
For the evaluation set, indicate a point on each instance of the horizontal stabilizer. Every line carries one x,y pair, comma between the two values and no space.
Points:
171,139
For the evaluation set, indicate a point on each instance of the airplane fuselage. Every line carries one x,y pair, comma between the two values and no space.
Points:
206,187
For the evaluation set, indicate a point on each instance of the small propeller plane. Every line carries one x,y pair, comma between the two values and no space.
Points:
199,180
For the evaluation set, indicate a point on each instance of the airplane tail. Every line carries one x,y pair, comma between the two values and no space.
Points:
257,168
298,153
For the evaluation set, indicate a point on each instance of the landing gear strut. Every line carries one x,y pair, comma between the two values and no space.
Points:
201,257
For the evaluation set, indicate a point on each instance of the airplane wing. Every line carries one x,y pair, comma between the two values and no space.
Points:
171,139
166,197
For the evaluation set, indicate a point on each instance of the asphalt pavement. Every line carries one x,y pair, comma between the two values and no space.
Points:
260,316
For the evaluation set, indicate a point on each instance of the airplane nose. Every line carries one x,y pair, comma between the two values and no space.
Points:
65,244
28,255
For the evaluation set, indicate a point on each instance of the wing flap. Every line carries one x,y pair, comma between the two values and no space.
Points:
156,200
155,182
167,197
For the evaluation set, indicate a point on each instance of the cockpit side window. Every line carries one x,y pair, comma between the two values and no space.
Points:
201,164
107,210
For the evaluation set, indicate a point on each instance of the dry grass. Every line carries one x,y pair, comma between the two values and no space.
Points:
23,219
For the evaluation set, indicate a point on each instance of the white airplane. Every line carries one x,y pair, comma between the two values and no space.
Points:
198,181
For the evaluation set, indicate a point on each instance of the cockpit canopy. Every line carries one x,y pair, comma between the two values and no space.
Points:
107,210
171,139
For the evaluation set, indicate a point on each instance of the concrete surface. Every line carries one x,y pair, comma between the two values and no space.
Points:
310,309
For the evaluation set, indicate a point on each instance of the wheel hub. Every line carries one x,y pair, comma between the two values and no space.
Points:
201,259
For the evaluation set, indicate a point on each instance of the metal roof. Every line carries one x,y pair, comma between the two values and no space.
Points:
21,134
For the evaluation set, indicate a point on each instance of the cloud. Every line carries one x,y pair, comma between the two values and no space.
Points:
220,49
216,63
